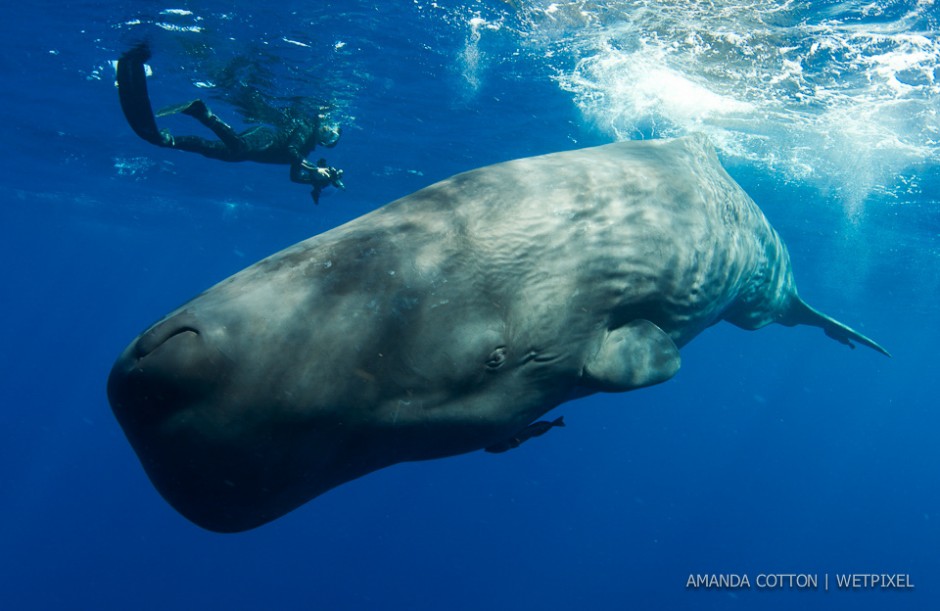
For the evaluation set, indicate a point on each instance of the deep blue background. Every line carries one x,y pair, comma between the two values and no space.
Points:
773,451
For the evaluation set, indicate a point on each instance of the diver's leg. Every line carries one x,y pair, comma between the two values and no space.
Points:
132,92
207,148
198,110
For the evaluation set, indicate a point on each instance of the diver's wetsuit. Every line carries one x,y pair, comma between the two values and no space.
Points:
288,145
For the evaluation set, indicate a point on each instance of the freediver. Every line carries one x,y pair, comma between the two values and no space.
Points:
289,142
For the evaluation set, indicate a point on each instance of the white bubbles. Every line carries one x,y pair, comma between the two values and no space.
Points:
296,43
636,94
133,166
471,56
842,95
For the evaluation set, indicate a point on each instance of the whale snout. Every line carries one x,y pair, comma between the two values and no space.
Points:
167,368
163,332
218,451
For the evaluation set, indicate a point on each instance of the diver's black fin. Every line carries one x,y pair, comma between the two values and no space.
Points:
132,91
801,313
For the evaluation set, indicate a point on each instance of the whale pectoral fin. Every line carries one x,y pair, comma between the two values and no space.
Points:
633,356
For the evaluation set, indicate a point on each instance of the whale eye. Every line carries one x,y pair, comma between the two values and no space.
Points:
496,358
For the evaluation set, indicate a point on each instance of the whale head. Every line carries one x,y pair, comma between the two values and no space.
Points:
318,365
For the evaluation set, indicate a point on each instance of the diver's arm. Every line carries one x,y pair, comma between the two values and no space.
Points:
306,173
301,172
300,142
319,176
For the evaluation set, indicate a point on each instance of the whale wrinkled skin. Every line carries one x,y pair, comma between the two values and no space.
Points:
447,322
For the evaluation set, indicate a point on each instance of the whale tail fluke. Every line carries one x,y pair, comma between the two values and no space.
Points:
132,92
801,313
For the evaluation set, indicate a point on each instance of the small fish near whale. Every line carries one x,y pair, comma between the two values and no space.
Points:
448,321
535,429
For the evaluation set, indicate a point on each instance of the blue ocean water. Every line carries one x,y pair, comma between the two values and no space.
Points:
777,451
